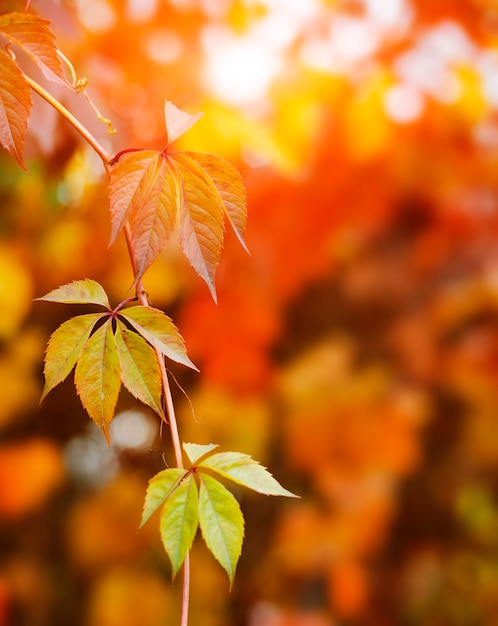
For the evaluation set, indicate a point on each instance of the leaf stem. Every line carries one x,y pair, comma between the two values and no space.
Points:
76,124
186,590
173,424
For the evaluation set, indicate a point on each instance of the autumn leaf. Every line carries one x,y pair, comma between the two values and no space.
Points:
179,521
33,35
158,329
65,347
230,186
143,191
219,514
160,488
243,469
201,224
176,491
15,108
79,292
221,522
153,190
97,377
140,371
122,349
195,451
178,122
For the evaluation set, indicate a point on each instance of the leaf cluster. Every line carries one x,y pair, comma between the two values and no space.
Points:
155,191
110,348
188,504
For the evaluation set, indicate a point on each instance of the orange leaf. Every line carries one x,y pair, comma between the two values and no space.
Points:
143,191
230,186
33,35
15,107
201,220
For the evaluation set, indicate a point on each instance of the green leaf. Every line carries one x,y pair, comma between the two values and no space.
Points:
159,330
230,186
221,522
196,450
33,35
140,371
201,220
97,377
64,348
144,192
243,469
178,122
179,521
79,292
15,107
160,487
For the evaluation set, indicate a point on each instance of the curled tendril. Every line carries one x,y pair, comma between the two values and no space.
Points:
80,85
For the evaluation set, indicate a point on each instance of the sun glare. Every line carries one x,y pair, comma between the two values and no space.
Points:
240,68
238,71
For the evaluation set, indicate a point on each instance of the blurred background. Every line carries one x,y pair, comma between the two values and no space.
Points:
354,352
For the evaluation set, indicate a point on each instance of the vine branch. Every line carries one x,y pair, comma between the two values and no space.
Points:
75,123
143,299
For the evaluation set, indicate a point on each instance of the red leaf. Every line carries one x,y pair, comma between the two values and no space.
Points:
33,35
143,191
15,107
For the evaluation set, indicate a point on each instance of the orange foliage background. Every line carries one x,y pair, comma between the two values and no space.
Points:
354,352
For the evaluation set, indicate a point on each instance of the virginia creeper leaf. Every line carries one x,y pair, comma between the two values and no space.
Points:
159,330
243,469
221,522
160,487
177,121
64,348
230,186
144,192
33,35
196,450
15,107
97,377
179,521
201,223
79,292
140,371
